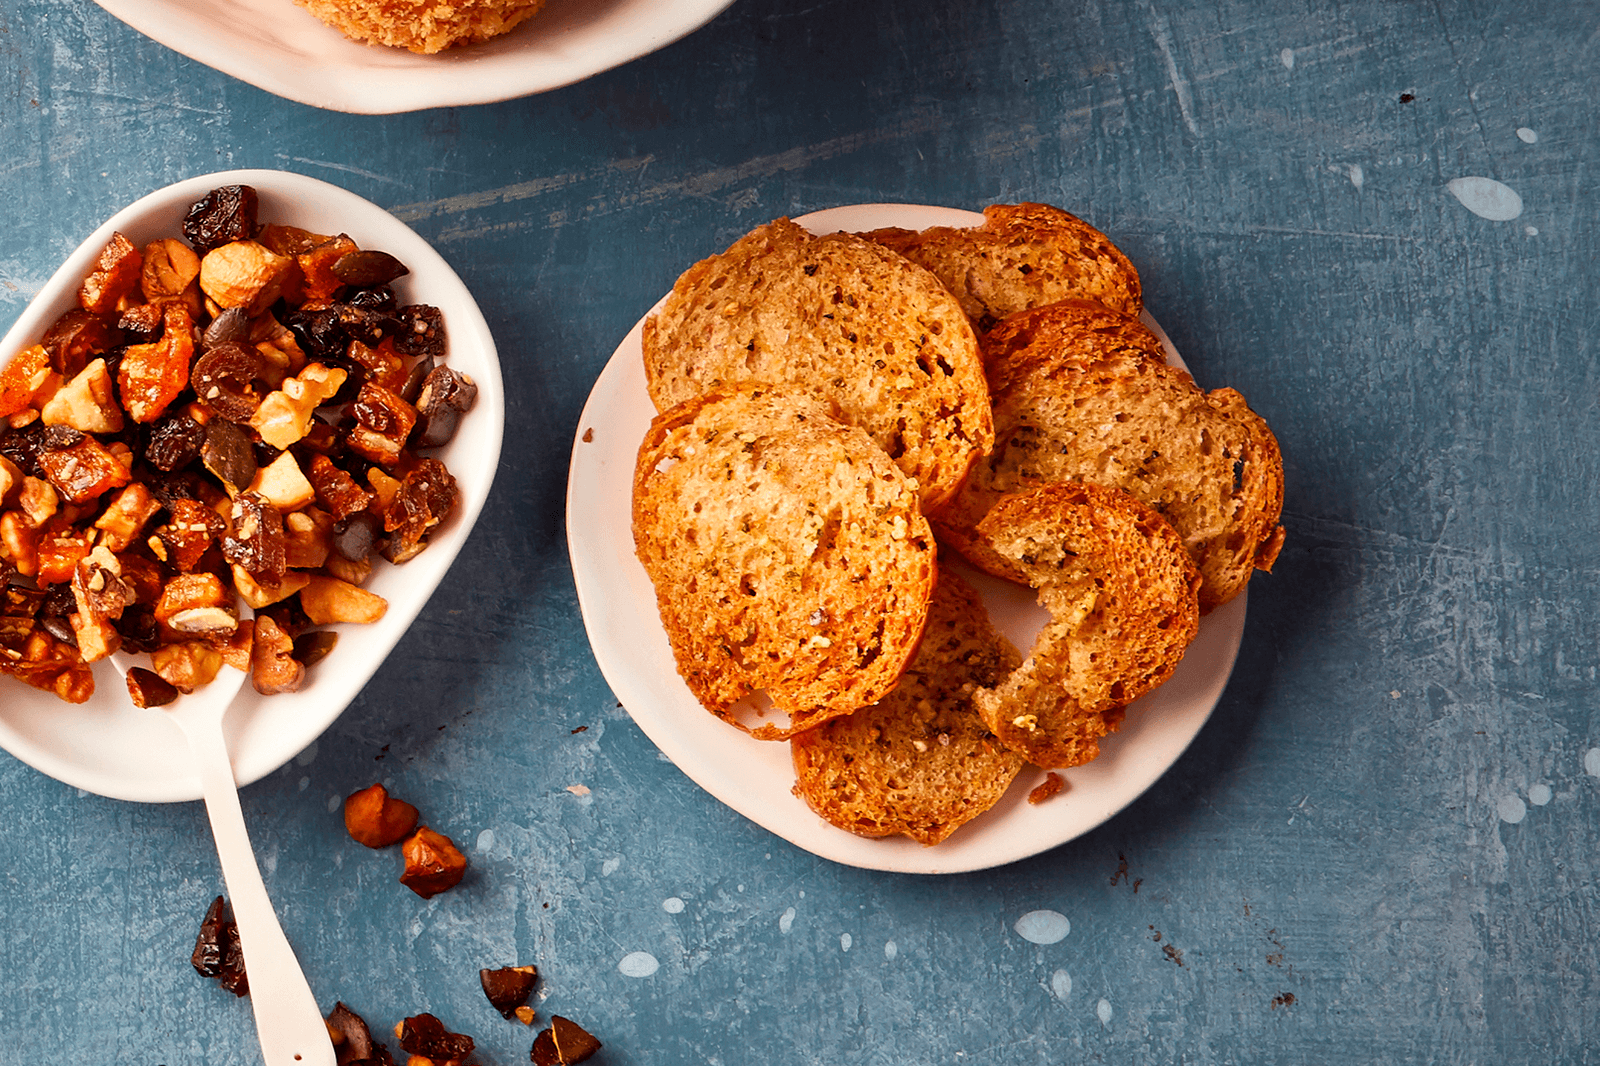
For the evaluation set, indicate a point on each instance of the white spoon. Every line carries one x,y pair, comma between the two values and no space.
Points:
288,1023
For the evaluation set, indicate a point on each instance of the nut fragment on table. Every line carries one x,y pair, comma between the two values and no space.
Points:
376,819
433,863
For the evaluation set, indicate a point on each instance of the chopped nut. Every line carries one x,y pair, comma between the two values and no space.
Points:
87,403
273,667
327,600
186,666
244,274
376,819
282,484
433,864
285,415
258,594
126,516
169,268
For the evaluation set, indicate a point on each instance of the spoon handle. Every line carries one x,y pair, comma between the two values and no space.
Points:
288,1022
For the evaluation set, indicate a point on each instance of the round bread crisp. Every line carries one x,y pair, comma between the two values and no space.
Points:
920,761
1122,597
424,26
787,551
1083,393
847,320
1024,255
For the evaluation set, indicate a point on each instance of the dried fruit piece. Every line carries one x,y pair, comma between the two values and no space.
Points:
24,378
353,1044
376,819
446,395
425,498
83,470
508,987
114,276
421,331
433,865
224,380
564,1042
222,215
383,421
152,375
78,336
217,952
425,1035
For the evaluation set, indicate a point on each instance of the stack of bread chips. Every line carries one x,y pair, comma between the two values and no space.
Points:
832,407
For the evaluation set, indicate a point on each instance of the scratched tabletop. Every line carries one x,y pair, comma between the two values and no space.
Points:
1379,221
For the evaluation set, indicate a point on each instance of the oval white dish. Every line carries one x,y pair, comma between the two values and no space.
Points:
108,746
755,777
282,48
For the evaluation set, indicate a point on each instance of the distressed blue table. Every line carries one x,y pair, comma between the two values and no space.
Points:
1381,849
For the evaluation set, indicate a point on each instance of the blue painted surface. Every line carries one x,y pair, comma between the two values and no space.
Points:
1392,817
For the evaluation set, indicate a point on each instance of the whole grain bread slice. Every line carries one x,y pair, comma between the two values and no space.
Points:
1024,255
788,554
920,761
1123,603
844,318
1083,393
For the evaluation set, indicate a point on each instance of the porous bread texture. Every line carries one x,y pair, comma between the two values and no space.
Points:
787,551
919,761
844,318
424,26
1122,597
1083,393
1024,255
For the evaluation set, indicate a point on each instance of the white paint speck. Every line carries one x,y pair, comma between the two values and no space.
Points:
1532,231
1512,809
1061,985
333,803
1102,1010
638,964
890,949
672,905
1525,135
1043,927
741,888
786,921
304,783
485,841
1591,762
1286,57
1487,198
609,867
845,940
1358,177
1540,794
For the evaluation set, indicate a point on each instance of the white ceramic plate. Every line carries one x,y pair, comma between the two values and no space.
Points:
280,47
110,747
755,777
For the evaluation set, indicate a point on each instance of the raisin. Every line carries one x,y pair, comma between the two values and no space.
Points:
175,442
379,299
22,446
138,628
217,952
221,216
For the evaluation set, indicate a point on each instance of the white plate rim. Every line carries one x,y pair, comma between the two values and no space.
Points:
283,49
754,777
36,729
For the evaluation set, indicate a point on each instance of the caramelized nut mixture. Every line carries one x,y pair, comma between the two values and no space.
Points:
237,415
